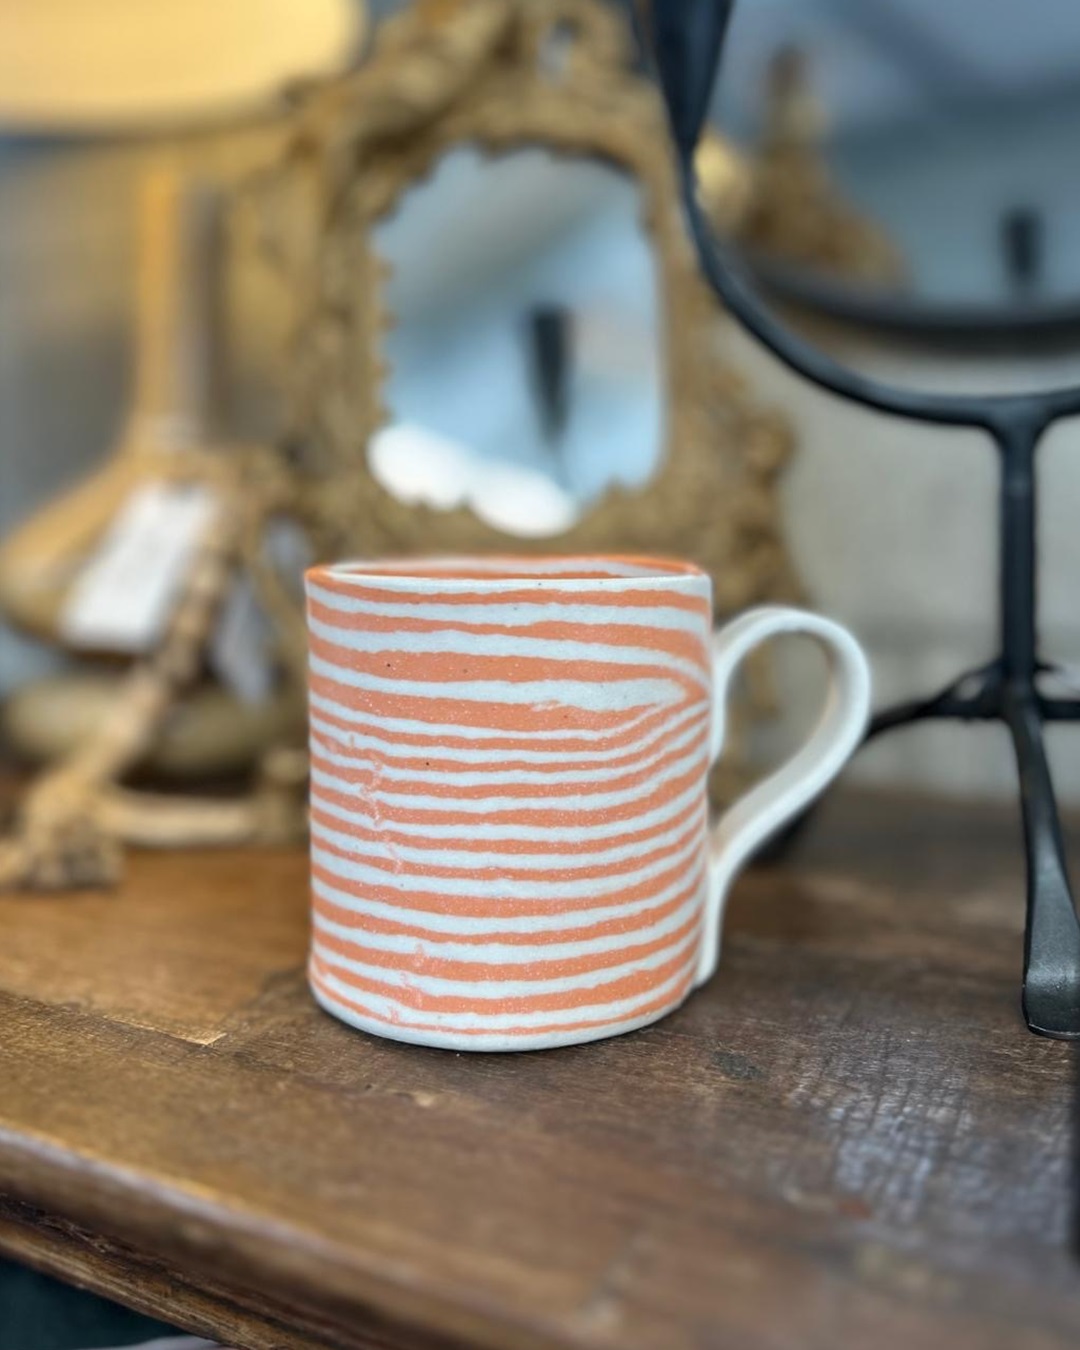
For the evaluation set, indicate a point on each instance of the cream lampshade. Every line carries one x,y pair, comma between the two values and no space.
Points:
105,66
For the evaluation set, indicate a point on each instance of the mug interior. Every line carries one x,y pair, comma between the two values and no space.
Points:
498,570
508,795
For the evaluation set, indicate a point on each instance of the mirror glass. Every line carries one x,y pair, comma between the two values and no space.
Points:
525,371
912,161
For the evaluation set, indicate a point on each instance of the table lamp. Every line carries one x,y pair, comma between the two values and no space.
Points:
176,74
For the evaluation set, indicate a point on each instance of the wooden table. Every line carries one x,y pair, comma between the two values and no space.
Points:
847,1140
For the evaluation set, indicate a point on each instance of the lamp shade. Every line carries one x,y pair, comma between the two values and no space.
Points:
73,67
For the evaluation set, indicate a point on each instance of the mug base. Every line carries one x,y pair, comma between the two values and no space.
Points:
486,1042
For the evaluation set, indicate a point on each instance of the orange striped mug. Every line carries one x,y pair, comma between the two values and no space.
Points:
510,844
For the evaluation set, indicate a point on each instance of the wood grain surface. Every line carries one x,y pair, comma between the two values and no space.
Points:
846,1139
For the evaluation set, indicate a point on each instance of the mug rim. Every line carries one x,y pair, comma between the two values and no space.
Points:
495,572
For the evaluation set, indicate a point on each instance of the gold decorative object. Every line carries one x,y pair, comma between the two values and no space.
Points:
505,74
158,709
172,407
73,819
725,180
793,210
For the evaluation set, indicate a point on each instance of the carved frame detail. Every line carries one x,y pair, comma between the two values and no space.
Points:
446,73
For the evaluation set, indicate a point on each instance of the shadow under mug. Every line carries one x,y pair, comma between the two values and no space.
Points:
510,843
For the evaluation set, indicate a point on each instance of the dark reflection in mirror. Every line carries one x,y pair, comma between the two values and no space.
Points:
524,353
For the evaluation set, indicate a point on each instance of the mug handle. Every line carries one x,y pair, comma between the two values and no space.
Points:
781,796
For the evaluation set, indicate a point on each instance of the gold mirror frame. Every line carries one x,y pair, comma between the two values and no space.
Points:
443,75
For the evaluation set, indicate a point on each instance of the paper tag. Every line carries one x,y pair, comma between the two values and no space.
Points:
241,654
123,597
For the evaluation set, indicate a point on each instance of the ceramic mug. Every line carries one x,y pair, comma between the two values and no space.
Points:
510,841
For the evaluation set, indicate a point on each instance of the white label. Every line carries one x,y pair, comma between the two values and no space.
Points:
123,598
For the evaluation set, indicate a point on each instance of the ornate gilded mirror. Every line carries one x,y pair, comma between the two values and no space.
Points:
503,341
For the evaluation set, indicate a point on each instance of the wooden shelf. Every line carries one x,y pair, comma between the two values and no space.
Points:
847,1139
